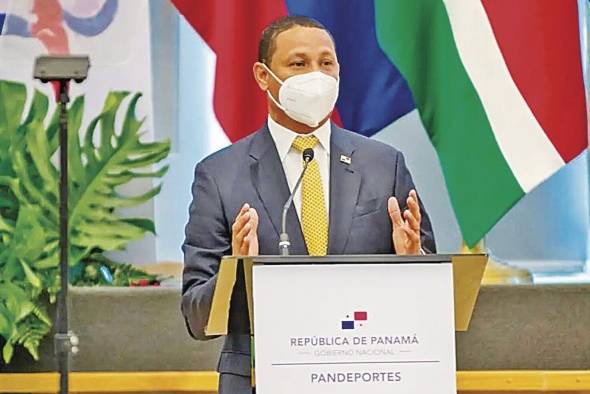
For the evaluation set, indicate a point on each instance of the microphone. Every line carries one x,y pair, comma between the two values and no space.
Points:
284,238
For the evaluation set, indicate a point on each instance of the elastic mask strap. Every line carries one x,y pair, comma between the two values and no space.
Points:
273,74
268,91
275,101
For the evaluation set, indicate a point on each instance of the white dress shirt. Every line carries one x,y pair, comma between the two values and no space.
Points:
292,160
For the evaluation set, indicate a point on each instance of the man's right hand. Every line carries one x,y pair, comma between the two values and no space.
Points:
244,239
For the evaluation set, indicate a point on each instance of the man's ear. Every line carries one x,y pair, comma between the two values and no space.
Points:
261,76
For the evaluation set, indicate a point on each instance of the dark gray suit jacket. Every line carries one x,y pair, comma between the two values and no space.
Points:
250,171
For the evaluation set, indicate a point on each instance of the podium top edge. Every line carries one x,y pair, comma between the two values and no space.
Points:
353,259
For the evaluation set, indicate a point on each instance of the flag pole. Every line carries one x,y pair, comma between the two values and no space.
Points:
585,71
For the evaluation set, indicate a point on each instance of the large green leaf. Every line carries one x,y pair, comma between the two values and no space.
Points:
110,153
29,152
29,237
12,103
5,323
13,96
108,166
30,275
7,352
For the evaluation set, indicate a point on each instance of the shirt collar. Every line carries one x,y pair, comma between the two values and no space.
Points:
283,137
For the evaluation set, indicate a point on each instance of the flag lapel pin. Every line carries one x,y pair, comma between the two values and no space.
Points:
345,159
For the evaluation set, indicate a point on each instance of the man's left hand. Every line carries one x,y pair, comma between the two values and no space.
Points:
405,228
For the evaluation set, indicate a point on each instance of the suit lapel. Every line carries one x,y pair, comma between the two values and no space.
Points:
268,178
344,190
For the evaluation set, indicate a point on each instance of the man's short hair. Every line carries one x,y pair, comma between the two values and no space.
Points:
266,46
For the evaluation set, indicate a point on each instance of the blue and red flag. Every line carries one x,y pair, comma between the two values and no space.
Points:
372,92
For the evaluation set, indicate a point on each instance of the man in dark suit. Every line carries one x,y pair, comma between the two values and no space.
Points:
357,198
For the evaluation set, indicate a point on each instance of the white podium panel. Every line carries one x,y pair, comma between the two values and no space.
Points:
354,328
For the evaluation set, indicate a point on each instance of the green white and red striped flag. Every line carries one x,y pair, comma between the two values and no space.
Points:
500,91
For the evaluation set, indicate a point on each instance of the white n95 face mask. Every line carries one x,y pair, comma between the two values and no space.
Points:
307,98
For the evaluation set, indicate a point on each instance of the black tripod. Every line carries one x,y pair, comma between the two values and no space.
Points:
62,69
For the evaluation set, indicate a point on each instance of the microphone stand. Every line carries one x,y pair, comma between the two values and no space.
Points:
284,242
65,341
62,69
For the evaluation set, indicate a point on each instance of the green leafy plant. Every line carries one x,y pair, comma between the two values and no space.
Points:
101,159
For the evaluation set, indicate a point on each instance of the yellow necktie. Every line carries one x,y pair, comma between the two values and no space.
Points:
314,218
